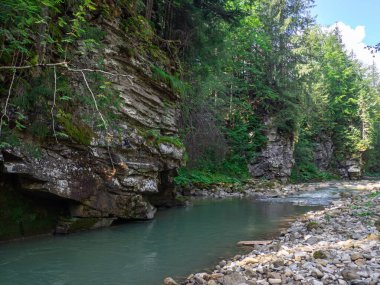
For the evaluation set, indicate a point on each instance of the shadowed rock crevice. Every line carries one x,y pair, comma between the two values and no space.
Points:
24,213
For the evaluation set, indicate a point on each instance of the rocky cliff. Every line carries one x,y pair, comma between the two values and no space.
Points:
323,152
123,172
351,167
276,160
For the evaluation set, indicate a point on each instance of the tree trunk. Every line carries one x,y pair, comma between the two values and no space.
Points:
41,44
149,9
168,19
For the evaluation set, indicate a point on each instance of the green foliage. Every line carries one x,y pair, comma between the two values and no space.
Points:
374,194
175,140
208,171
28,35
176,84
305,169
244,132
244,62
23,22
312,226
32,149
75,129
39,129
139,27
372,154
154,137
9,138
202,178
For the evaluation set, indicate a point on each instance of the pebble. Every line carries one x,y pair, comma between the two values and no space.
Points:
318,273
274,281
356,256
169,281
349,275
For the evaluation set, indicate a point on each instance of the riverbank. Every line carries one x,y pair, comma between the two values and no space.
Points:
338,245
267,189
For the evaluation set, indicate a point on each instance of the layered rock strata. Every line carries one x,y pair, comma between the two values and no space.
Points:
123,168
276,160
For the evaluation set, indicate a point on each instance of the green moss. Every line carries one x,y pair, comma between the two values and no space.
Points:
312,225
158,55
139,27
176,141
78,131
80,224
154,137
267,184
130,51
181,200
319,255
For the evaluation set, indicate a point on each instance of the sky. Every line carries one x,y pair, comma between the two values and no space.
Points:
358,21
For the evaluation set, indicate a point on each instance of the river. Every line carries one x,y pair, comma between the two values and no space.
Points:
177,242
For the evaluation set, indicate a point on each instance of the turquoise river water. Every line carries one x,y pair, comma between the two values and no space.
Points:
179,241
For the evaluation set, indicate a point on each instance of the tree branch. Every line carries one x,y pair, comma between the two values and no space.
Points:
66,65
7,102
54,100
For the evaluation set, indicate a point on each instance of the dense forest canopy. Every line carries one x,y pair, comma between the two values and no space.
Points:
241,68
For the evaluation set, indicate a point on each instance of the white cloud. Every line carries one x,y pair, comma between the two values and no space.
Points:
353,39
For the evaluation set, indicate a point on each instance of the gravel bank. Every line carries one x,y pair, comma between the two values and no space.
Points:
338,245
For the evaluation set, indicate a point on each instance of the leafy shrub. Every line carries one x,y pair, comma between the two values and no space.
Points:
202,178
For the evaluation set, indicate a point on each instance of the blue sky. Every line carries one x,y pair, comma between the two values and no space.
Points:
351,12
358,22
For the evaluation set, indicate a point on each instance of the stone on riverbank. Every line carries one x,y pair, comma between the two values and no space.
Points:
254,242
169,281
342,248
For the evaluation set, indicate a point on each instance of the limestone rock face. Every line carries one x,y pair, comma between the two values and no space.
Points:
323,153
276,160
351,168
113,176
